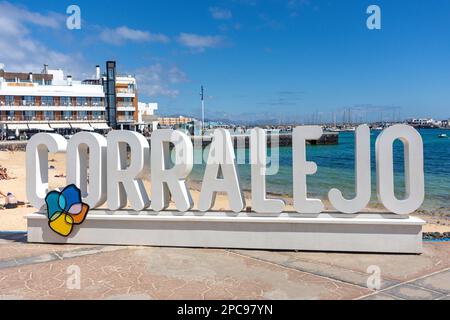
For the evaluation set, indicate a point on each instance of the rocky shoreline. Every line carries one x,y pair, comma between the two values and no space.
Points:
432,236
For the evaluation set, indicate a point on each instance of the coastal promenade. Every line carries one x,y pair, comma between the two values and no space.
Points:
37,271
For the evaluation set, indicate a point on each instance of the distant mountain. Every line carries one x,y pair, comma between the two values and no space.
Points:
250,118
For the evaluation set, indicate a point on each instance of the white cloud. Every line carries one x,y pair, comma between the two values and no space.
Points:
123,34
156,80
17,13
19,50
220,13
200,42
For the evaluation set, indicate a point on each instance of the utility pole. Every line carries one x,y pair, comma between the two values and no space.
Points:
202,95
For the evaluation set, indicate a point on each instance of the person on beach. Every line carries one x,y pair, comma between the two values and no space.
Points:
10,200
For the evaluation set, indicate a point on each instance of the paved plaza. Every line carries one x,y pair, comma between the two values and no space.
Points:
37,271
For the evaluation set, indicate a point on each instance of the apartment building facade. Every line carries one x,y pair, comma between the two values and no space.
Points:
51,101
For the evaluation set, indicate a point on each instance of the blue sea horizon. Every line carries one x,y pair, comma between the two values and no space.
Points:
336,170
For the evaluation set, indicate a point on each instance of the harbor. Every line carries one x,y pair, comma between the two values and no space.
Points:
280,139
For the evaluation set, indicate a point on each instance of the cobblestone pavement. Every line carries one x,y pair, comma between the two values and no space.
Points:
37,271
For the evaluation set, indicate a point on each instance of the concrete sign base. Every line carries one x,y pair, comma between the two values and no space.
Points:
381,233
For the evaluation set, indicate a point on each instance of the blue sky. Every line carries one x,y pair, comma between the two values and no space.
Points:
292,60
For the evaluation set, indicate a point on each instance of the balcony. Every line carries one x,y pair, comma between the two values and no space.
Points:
125,90
52,118
125,105
44,104
46,108
78,104
125,119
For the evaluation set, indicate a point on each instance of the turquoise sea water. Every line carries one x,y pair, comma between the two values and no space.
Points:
336,170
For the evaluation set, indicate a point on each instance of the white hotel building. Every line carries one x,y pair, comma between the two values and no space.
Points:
50,101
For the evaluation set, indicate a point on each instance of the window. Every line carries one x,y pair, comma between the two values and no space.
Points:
125,103
128,115
47,101
65,101
9,100
97,115
81,101
67,115
49,115
96,101
30,115
82,115
28,100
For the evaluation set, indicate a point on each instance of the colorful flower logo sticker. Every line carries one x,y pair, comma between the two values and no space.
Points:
65,209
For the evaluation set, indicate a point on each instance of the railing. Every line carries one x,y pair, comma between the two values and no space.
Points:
125,105
125,90
55,118
43,104
124,118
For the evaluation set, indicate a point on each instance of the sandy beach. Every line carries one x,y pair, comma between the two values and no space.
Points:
14,219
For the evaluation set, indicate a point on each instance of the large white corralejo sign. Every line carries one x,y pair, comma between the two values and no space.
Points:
110,171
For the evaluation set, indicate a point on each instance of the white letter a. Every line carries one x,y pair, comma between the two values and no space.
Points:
374,20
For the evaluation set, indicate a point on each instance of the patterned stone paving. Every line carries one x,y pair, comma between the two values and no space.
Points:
29,271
